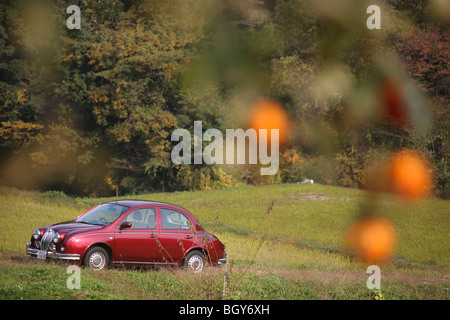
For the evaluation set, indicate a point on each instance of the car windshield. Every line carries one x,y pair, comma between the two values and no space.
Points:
103,214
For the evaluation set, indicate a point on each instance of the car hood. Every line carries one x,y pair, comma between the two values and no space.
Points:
73,227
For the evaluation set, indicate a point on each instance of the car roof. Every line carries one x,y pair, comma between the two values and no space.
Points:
135,203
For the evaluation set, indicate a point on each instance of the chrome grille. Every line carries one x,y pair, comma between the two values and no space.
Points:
47,239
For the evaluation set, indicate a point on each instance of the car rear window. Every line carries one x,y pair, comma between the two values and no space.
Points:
174,220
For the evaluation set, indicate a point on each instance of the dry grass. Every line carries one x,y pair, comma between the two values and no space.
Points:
283,242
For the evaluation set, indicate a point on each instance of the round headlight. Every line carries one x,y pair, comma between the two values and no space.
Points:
36,234
56,238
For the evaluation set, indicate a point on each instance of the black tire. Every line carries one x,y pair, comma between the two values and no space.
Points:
194,261
96,258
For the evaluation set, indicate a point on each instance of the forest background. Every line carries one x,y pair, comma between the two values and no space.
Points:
90,112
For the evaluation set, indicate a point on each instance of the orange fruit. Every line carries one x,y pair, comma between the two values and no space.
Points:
410,175
373,239
268,114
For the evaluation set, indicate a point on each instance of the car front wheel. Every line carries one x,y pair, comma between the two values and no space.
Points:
96,258
195,261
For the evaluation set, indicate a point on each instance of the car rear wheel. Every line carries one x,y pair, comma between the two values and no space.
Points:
96,258
195,261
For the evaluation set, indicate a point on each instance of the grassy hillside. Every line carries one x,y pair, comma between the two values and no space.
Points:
284,241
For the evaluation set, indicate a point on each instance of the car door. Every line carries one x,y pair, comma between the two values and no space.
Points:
137,244
175,236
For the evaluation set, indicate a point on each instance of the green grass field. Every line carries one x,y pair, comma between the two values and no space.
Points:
292,251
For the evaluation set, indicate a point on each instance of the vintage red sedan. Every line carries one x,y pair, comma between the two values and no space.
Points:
129,232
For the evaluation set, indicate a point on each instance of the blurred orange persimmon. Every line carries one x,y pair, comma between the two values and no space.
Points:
268,114
410,175
373,239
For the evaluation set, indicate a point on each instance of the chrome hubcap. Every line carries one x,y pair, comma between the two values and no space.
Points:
195,263
97,261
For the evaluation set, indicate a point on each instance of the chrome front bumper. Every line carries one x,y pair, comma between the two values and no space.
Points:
51,253
223,260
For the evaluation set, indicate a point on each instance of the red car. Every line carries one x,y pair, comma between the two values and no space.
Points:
130,232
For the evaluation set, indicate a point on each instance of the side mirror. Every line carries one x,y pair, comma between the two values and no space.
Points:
125,225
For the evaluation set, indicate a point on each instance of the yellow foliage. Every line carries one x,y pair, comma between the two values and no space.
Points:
21,96
109,182
14,132
201,179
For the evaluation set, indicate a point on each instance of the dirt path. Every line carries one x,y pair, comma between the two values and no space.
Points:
341,276
329,276
438,275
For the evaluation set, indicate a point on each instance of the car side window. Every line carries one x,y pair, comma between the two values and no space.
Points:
174,220
142,218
